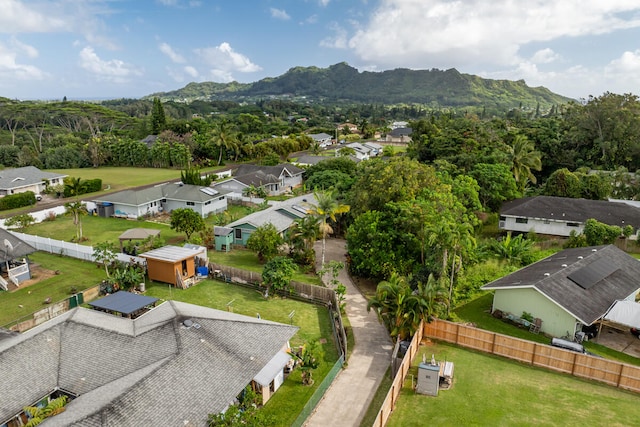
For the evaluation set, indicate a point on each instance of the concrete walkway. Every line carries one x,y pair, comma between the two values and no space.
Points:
346,401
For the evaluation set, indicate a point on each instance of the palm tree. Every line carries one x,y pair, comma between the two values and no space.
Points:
72,186
249,192
524,158
327,207
76,209
305,230
390,303
223,137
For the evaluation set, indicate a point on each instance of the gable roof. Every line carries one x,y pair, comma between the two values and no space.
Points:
311,160
182,192
22,177
280,214
398,132
573,210
257,179
170,253
283,169
12,247
320,136
153,370
582,281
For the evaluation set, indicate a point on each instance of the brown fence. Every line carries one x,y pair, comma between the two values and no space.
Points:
396,386
541,355
52,310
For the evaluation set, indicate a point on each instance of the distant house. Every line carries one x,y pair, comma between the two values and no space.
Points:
322,139
570,289
397,125
352,127
559,216
399,135
28,178
275,180
374,148
281,215
171,366
162,198
362,152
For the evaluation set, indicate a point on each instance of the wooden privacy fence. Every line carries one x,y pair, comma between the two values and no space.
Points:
390,400
556,359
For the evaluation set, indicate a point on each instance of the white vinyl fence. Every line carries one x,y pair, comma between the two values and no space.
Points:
73,250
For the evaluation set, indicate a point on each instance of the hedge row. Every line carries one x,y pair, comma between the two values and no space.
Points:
87,186
19,200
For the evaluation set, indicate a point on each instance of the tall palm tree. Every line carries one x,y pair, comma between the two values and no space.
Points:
524,158
390,304
305,230
77,209
223,137
326,208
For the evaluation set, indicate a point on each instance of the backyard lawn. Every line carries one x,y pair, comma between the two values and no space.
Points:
73,273
488,390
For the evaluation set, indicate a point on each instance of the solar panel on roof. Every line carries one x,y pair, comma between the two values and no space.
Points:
299,209
592,273
209,191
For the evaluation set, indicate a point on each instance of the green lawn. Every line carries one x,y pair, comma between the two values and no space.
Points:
488,390
73,273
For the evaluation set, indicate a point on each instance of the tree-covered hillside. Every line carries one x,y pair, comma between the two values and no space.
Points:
341,83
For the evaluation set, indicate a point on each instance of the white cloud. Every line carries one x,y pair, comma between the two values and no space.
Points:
444,33
172,54
339,38
19,17
28,50
324,3
191,71
279,14
113,70
544,56
11,69
224,61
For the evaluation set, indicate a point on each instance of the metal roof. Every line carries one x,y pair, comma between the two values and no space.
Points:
271,369
170,253
123,302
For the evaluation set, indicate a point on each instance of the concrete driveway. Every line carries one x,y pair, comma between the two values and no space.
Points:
346,401
620,340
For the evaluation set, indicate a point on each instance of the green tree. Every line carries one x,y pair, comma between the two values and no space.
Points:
309,358
301,236
265,241
496,183
597,233
524,160
158,117
38,414
72,186
192,176
185,220
105,253
21,221
77,209
563,183
326,208
223,137
277,274
517,250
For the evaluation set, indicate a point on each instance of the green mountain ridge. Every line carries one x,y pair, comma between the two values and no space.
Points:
341,83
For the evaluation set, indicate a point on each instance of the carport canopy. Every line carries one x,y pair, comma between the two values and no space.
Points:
137,234
625,313
123,302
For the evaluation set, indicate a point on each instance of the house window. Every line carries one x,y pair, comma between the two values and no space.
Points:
521,220
238,233
503,218
573,224
191,204
546,221
207,203
221,198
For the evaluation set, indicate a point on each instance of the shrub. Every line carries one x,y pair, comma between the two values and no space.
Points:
13,201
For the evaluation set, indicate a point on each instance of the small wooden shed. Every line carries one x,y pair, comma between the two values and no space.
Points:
172,264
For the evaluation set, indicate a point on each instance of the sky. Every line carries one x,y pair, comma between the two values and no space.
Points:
106,49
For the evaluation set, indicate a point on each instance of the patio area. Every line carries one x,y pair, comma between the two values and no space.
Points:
620,340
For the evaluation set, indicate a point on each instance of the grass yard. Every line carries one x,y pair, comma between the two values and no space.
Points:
488,390
314,323
73,273
97,229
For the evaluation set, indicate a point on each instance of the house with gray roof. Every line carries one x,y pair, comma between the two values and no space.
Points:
569,290
28,178
362,152
162,198
275,180
559,216
322,139
171,366
401,135
280,214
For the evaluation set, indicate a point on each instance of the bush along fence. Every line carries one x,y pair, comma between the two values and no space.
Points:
53,310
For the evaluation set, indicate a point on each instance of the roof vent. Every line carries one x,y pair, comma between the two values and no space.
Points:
547,274
580,257
188,323
594,250
564,265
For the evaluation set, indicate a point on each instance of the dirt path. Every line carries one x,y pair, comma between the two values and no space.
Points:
348,398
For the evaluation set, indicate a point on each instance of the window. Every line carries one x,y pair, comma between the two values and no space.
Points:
207,203
521,220
191,204
573,224
503,218
546,221
238,233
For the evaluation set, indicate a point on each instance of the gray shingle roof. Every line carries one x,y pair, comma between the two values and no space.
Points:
155,371
17,248
279,170
553,275
192,193
281,214
574,210
28,175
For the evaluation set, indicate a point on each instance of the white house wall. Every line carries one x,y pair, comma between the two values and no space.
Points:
540,226
555,321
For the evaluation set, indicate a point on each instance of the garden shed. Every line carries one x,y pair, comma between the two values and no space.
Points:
223,238
137,234
172,264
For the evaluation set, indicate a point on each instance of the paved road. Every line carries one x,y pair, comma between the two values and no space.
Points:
348,398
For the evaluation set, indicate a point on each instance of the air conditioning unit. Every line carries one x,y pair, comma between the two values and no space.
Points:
501,224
